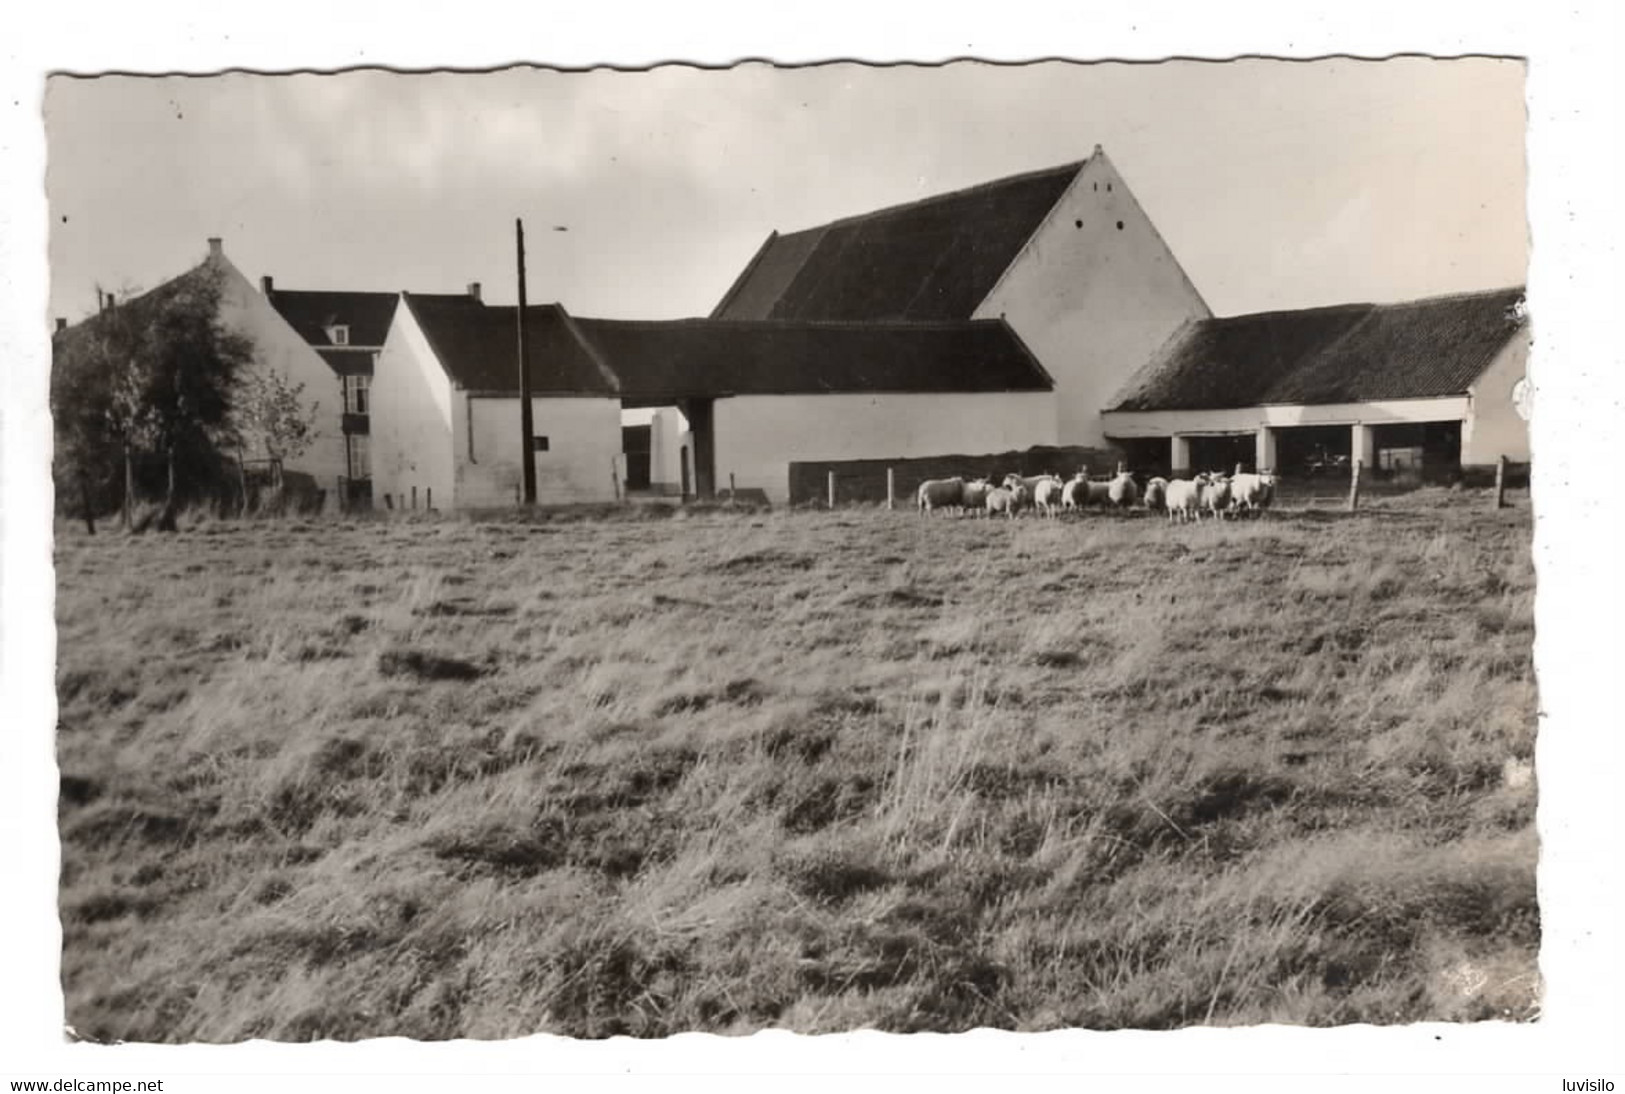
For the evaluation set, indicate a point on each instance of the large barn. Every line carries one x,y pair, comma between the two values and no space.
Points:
754,396
1066,256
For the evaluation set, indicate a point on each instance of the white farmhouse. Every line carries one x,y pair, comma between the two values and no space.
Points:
278,348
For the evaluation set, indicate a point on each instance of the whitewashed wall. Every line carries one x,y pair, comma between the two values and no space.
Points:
580,465
411,405
278,347
758,436
1093,302
1494,428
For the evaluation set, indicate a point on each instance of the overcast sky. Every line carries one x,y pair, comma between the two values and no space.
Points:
1277,184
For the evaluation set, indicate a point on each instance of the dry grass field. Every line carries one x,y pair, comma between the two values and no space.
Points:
645,774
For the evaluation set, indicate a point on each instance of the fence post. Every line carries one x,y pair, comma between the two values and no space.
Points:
1501,483
891,488
428,498
832,489
414,498
731,486
1354,485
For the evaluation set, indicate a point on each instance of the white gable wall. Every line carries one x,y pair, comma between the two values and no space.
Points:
1093,302
278,347
411,403
1494,429
583,461
758,436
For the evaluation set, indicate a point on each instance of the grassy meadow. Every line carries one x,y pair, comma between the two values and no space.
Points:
650,773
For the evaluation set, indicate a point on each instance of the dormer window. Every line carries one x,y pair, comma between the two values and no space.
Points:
339,334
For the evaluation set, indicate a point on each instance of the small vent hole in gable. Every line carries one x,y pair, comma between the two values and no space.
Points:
1077,224
1119,226
1108,187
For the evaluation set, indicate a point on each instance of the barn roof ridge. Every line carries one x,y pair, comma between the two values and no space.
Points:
1461,294
793,324
1071,167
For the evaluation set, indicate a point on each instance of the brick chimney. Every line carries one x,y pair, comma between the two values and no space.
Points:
266,285
215,248
474,289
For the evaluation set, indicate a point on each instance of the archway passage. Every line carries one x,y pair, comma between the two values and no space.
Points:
668,447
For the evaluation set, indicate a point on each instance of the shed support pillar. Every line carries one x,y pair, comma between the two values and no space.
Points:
1179,457
1264,452
1363,445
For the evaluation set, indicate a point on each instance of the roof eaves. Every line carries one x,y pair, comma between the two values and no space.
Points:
948,195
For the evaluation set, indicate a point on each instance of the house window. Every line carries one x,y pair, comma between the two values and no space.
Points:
356,390
340,335
360,459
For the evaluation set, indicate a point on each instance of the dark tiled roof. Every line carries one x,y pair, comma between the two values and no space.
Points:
1345,354
768,275
930,260
479,346
678,358
728,357
367,314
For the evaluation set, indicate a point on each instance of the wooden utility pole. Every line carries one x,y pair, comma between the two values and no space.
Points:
832,489
891,488
527,426
1501,483
1354,486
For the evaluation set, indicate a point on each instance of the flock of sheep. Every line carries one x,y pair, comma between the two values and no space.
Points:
1210,493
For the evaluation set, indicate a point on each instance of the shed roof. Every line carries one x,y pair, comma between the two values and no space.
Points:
668,359
1343,354
312,313
930,260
